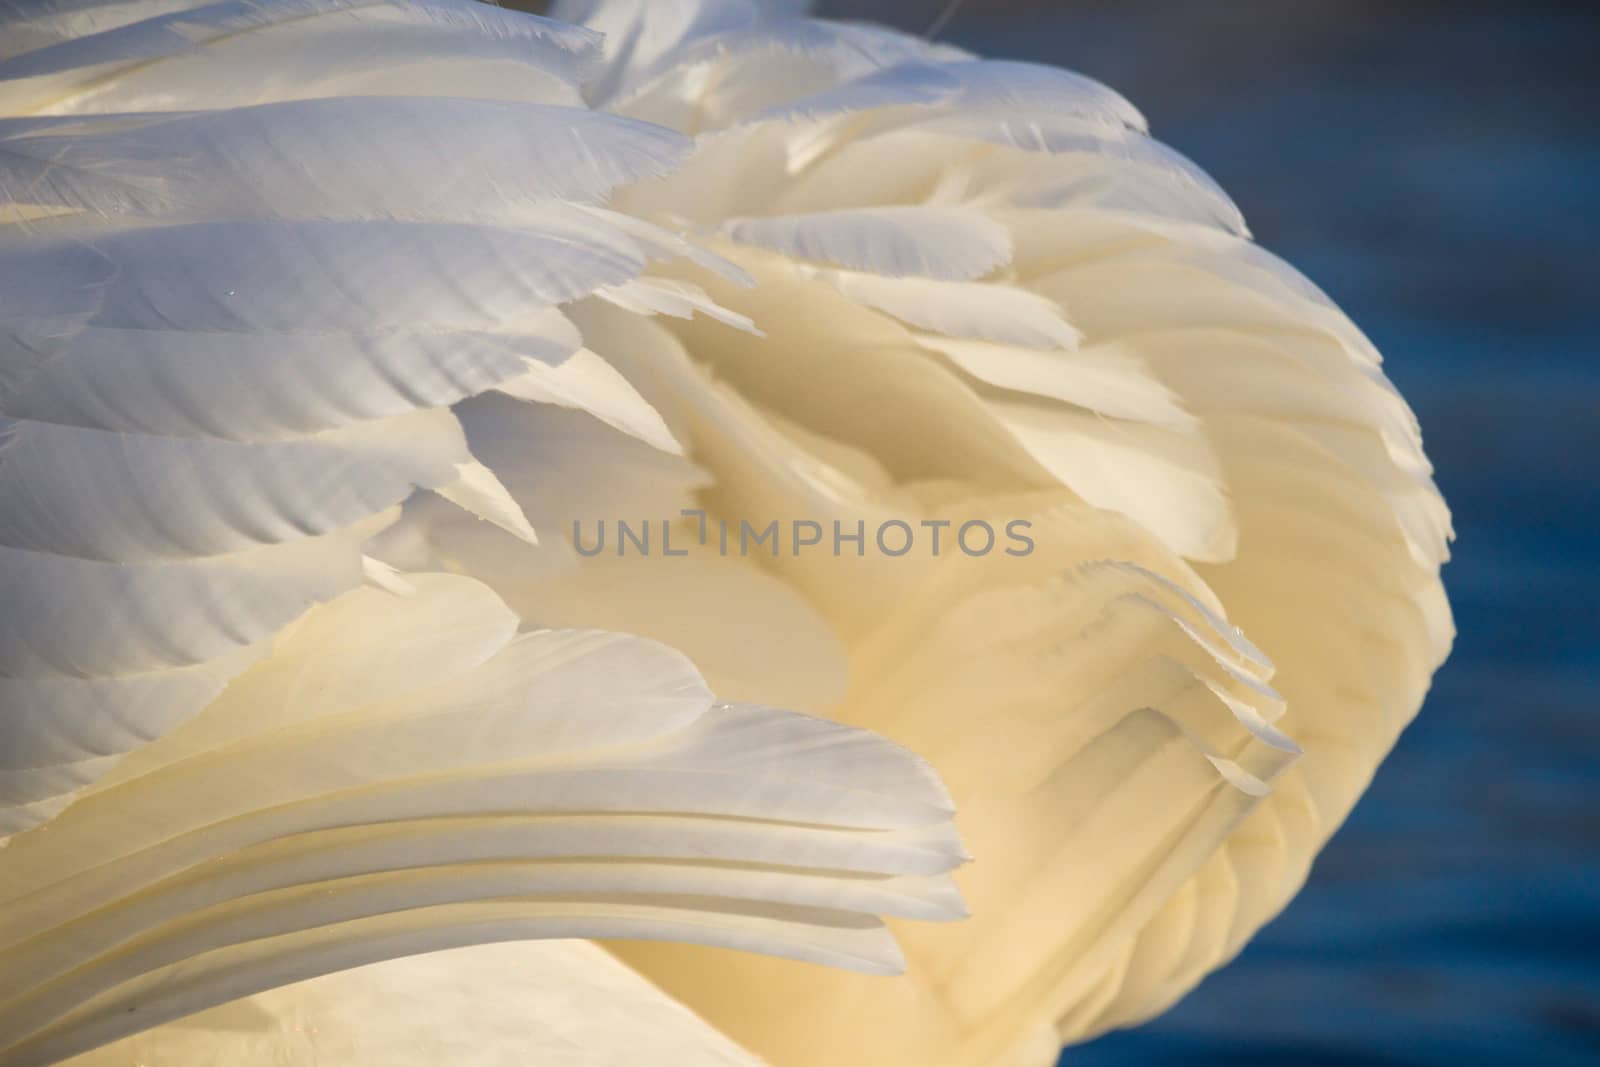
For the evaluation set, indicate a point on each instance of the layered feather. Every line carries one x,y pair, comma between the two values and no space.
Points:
550,784
278,255
1196,435
981,292
244,329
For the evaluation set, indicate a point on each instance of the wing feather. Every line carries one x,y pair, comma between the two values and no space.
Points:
264,387
94,494
429,158
233,52
932,242
566,784
565,997
338,276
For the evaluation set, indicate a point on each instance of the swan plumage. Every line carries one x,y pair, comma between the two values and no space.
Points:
330,324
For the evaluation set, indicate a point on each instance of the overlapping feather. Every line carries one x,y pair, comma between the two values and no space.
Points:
276,255
311,252
1097,374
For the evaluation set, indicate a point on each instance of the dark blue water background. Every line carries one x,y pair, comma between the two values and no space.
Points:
1436,168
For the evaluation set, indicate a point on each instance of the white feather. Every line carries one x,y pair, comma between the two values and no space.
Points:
90,618
240,52
1166,479
432,158
1100,378
478,490
333,276
112,496
981,312
570,993
585,382
952,244
665,296
263,386
972,85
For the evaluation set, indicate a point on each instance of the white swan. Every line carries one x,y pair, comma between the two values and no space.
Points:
318,357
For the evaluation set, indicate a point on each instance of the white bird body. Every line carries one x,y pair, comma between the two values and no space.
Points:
330,327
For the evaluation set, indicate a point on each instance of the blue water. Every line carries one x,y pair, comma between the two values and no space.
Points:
1435,168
